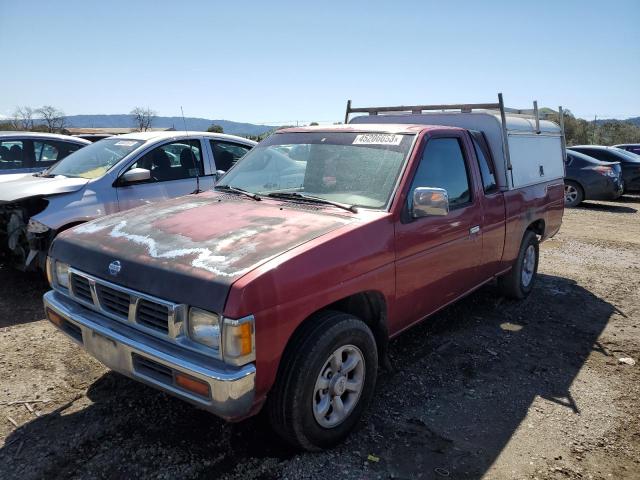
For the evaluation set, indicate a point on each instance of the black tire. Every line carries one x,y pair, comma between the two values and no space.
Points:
290,405
512,284
573,194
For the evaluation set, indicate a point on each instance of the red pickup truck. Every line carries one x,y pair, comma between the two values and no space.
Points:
282,287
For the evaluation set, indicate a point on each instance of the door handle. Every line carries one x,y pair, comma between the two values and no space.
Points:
474,230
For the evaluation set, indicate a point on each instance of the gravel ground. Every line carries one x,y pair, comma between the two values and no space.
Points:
489,388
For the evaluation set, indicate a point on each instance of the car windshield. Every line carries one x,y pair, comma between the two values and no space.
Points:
359,169
94,160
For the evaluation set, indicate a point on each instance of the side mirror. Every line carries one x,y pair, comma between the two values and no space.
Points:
219,174
135,175
429,201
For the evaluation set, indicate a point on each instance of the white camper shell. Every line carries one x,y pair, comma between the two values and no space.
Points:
526,150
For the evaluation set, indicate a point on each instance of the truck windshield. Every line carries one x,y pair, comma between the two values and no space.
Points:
359,169
94,160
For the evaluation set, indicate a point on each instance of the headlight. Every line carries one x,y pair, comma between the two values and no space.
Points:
35,226
49,270
239,340
204,327
62,274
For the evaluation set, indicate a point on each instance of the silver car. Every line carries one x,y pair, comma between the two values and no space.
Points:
24,152
108,176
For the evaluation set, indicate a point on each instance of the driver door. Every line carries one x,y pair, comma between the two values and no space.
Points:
438,256
174,167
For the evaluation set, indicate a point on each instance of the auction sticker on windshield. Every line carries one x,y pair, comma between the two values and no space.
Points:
377,139
126,143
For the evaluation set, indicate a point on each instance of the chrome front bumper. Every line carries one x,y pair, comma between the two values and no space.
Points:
155,362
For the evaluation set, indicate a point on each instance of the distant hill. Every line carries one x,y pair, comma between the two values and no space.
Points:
197,124
633,120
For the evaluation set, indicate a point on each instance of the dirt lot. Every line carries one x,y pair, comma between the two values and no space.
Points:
486,389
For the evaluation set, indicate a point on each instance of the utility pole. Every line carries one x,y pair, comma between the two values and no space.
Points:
595,128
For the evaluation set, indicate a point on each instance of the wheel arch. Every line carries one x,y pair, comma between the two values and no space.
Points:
538,227
369,306
69,225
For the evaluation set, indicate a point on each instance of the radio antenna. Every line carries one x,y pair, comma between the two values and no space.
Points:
193,157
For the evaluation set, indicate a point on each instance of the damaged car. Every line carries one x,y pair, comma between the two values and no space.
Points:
108,176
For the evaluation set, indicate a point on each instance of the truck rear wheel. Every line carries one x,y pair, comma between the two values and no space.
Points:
327,378
518,283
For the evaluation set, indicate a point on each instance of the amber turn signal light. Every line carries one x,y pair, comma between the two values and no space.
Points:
55,318
246,346
191,384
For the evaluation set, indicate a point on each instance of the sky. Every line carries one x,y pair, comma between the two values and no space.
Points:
279,62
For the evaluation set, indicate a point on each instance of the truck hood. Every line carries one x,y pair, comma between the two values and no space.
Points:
191,249
22,186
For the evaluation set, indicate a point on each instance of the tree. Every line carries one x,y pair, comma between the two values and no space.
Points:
215,128
313,124
143,118
52,117
23,118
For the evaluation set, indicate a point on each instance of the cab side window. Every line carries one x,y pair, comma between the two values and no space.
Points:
443,166
226,154
489,183
12,154
173,161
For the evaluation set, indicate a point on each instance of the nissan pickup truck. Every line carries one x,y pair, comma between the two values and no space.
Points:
281,287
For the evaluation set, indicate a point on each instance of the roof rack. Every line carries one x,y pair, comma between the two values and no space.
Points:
464,108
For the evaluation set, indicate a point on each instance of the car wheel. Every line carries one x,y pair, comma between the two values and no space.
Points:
327,378
518,283
573,194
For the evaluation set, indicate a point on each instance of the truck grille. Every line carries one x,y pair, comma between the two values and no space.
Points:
81,288
153,315
127,306
113,300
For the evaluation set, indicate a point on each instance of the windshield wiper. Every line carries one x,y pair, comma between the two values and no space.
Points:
229,188
312,198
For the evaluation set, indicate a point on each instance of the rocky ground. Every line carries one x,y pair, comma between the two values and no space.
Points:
489,388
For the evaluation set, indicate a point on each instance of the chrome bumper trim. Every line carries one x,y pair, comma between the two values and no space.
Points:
113,343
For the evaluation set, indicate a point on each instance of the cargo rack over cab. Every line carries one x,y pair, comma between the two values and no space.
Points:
526,149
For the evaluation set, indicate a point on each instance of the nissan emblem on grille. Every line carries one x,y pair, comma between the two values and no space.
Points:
115,267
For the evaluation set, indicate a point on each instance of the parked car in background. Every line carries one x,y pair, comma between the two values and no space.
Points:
630,147
283,286
630,162
108,176
24,152
93,137
588,178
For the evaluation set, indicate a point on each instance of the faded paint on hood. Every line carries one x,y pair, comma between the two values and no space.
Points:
30,185
191,249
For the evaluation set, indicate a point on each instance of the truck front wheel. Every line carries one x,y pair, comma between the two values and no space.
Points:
327,378
518,283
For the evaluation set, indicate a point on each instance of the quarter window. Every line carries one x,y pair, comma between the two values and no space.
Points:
443,166
173,161
226,154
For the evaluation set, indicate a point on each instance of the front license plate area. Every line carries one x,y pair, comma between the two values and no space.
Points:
107,351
